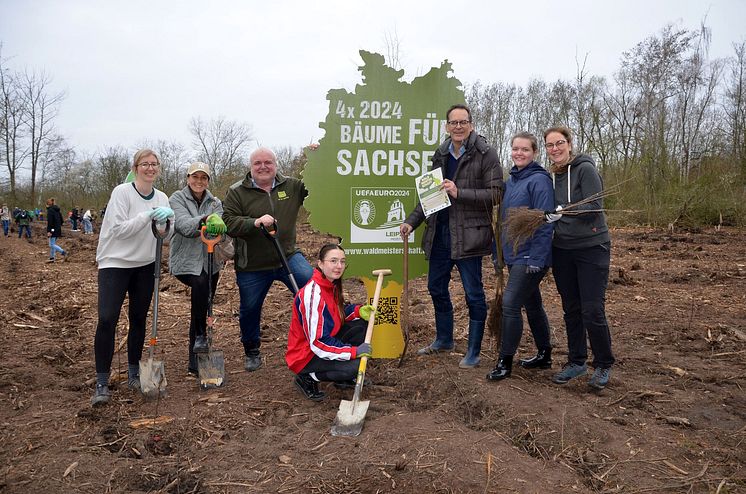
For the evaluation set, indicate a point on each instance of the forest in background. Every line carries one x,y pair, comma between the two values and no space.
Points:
670,123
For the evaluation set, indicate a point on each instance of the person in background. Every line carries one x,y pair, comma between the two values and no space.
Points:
23,220
5,218
581,255
529,186
126,263
195,206
75,217
263,198
54,230
461,234
327,336
87,225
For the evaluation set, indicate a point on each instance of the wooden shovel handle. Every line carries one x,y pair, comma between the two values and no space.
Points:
371,322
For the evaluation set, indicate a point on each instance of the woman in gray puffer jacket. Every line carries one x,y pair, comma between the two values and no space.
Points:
194,206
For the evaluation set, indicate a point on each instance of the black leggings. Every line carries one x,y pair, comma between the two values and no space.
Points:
352,333
200,289
113,285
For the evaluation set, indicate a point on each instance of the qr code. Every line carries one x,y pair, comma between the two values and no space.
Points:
388,310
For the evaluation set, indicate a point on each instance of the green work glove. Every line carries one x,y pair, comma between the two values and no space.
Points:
363,350
366,311
215,225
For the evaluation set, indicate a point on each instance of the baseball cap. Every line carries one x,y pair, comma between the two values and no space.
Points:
198,166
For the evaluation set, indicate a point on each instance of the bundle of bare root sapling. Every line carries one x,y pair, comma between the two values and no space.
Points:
521,223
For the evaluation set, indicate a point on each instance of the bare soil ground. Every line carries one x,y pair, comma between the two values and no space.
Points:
673,418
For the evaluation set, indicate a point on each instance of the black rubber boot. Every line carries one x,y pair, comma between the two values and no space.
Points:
192,369
502,370
200,344
542,360
253,360
309,387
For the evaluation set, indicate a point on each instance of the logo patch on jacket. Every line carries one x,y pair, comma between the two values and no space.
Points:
282,195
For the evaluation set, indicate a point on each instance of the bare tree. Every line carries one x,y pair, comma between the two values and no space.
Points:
40,110
173,160
221,143
11,124
393,49
113,166
734,105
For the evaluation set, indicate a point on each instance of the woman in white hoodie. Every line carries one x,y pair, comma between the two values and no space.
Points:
126,263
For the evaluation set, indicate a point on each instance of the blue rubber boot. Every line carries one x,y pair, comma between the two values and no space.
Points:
443,335
476,332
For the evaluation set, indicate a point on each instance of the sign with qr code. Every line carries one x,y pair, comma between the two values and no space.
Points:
387,341
361,179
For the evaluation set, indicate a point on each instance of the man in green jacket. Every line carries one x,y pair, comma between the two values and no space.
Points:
263,198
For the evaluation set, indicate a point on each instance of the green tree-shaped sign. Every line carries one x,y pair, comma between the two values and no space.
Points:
377,140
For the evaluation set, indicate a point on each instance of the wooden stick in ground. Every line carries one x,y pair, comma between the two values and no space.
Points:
494,320
405,300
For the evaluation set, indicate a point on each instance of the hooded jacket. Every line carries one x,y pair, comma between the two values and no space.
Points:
245,203
316,321
530,187
479,179
54,221
579,181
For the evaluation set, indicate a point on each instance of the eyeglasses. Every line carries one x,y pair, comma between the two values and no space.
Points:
456,123
148,165
552,145
335,261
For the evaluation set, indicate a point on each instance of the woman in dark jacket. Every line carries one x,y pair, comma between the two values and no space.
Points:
54,230
581,253
530,186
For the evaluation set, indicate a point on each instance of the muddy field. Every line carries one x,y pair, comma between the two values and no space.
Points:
673,418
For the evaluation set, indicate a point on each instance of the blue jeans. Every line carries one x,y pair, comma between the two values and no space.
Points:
6,227
28,230
523,290
54,248
253,287
439,277
582,276
87,226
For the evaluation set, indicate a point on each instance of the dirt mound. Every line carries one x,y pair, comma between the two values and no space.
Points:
673,418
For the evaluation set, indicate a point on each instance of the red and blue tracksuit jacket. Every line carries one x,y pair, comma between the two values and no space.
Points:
316,321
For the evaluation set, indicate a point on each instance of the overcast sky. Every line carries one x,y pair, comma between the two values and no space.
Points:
135,69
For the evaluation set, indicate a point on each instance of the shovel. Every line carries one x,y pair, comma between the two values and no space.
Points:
210,365
351,414
153,372
405,301
272,235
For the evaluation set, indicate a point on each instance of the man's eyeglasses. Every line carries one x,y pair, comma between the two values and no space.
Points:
148,165
456,123
552,145
335,261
